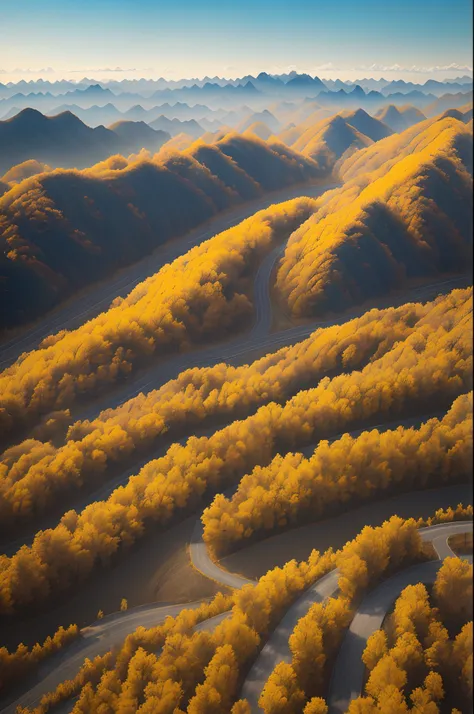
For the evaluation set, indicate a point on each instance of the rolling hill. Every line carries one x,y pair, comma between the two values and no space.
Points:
64,229
448,101
328,140
136,135
403,212
372,127
176,126
264,117
260,129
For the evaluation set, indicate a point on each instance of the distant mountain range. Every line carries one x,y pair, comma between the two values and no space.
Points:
65,141
262,81
219,94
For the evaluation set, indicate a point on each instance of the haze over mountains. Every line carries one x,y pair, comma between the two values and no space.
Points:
262,81
219,93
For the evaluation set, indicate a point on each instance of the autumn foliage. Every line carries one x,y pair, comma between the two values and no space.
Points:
373,554
93,448
177,666
185,302
431,366
14,666
293,490
423,656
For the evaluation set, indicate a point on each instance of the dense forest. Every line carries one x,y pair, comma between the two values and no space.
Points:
292,490
90,449
173,668
428,369
118,468
203,292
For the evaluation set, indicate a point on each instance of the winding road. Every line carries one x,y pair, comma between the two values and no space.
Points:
98,639
112,630
95,640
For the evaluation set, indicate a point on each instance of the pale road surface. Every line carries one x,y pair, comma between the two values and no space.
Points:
439,537
97,298
101,637
98,639
277,648
348,674
202,562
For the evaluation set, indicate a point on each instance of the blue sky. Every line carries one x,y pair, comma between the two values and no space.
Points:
153,38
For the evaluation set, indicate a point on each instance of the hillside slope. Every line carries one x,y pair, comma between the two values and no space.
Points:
334,138
63,229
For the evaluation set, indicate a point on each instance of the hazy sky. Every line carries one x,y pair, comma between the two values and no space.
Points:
193,38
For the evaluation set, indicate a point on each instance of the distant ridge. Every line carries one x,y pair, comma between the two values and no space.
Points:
400,118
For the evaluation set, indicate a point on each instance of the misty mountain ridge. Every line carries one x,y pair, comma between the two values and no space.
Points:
215,93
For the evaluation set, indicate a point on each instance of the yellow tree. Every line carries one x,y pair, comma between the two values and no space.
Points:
281,694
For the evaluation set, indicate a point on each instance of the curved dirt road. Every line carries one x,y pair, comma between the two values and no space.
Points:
348,674
277,648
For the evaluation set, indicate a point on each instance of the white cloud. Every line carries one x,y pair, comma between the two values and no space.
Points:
413,68
105,69
28,70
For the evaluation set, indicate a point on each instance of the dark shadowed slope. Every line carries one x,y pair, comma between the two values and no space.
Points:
136,135
65,141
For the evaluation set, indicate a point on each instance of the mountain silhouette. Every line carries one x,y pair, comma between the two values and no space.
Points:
260,129
136,135
62,140
375,129
175,126
400,118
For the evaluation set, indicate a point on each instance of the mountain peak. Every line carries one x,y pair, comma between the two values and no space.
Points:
27,116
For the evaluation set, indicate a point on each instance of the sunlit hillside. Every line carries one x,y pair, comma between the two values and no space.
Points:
403,212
